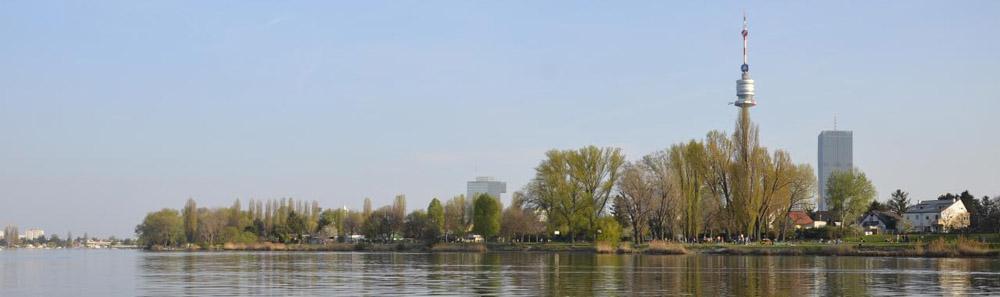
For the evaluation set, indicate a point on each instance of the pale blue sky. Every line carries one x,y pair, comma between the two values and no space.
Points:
110,110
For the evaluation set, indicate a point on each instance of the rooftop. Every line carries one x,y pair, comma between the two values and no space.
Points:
931,206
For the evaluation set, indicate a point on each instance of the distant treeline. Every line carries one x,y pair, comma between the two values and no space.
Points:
291,221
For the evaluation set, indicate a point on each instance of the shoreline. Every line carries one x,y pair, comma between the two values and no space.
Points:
839,250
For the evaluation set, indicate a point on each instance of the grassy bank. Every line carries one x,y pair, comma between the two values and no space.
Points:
940,247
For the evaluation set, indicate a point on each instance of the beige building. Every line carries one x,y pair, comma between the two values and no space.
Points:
941,215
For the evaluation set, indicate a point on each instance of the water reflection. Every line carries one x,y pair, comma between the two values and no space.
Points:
569,274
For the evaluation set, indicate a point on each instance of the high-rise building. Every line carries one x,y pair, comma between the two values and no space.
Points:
485,184
33,233
836,153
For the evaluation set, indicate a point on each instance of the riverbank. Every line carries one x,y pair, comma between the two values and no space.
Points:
937,248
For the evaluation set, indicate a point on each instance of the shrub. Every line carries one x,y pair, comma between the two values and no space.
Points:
938,248
625,248
604,247
971,247
459,247
658,247
611,231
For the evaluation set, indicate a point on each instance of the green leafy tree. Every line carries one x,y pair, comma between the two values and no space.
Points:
486,216
190,214
353,223
164,228
689,168
595,171
454,216
899,203
876,206
296,226
573,187
380,226
435,213
608,230
418,225
850,192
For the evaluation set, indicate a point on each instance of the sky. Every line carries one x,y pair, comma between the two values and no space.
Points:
110,110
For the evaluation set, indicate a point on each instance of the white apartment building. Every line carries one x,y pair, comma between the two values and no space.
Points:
938,215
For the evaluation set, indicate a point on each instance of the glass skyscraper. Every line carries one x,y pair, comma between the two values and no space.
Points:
485,184
836,152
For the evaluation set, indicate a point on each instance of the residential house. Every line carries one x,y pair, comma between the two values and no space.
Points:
800,219
878,222
941,215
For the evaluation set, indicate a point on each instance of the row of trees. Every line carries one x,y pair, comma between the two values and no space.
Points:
722,185
290,221
719,185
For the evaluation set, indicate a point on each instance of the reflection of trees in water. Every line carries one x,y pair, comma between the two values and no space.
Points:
984,282
844,276
559,274
953,276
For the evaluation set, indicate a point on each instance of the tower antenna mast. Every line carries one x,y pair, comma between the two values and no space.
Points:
745,33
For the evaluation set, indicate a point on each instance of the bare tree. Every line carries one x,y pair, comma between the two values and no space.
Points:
636,194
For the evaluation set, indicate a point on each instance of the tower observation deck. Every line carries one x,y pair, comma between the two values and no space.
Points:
744,86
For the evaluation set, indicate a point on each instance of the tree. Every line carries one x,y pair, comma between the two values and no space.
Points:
296,226
331,222
634,202
899,203
454,216
380,226
190,216
353,223
486,216
399,205
608,230
573,187
164,228
435,214
800,192
594,172
519,222
367,210
849,192
211,223
688,166
876,206
990,220
10,234
418,225
663,209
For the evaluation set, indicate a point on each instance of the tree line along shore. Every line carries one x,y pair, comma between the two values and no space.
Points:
725,193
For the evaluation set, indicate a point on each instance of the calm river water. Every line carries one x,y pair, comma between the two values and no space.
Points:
136,273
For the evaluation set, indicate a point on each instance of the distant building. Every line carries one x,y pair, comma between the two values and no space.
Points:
836,153
32,234
941,215
800,219
97,244
879,222
485,184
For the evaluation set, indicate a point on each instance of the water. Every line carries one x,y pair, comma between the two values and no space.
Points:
137,273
